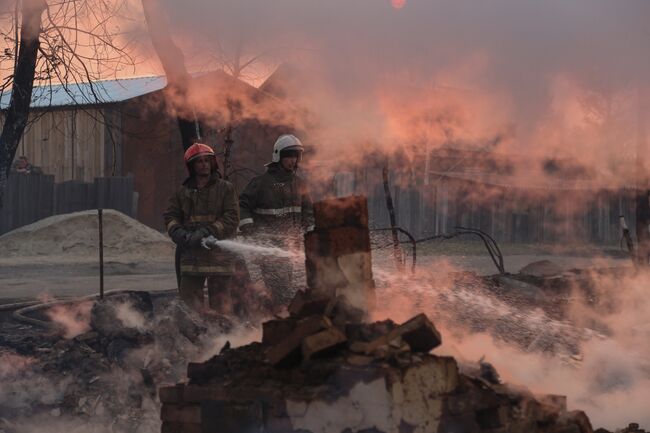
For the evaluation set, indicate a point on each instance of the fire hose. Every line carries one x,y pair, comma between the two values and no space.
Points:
26,307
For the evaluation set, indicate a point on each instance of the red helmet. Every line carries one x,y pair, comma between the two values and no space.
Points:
196,150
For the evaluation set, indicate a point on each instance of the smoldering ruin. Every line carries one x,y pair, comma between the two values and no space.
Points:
478,255
140,361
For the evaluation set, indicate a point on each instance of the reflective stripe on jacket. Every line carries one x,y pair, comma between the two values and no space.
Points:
276,200
215,207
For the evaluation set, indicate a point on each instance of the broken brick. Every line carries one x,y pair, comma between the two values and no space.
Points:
336,242
580,419
177,427
321,342
340,212
288,351
181,413
306,304
274,331
171,394
197,394
419,333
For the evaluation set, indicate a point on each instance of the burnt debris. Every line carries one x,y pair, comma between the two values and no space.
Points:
325,368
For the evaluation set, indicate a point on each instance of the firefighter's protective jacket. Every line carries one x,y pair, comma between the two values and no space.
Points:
276,201
214,207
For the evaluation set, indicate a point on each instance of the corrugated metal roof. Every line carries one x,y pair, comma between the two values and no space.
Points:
101,92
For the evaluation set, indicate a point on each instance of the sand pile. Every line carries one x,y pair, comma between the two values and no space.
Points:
75,236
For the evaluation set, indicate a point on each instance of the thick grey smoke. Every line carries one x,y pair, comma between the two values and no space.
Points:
561,78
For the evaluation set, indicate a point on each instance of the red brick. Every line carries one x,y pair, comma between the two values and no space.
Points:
343,211
181,413
307,304
199,393
323,341
171,394
177,427
288,350
419,333
276,330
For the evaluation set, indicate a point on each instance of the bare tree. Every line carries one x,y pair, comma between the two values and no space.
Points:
23,83
63,42
173,63
240,58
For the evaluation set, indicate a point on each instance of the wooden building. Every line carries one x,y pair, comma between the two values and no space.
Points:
123,128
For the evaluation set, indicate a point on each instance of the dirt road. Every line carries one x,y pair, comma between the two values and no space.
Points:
28,280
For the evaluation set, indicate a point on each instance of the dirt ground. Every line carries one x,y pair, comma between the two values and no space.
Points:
58,256
26,279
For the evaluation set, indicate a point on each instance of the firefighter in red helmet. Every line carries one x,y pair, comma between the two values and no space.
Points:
205,205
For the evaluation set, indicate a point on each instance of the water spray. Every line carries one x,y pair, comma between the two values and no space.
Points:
245,247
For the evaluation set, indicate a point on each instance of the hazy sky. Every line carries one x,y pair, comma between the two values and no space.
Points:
529,63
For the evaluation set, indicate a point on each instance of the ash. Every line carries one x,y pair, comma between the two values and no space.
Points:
104,379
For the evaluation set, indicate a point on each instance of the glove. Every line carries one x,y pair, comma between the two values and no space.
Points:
247,229
179,235
209,242
195,238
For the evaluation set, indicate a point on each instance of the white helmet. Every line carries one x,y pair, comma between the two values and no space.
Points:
286,142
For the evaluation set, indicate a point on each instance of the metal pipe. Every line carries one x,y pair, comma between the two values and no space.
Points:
100,214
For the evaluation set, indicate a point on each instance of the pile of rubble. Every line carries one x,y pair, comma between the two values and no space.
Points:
631,428
104,379
325,372
323,369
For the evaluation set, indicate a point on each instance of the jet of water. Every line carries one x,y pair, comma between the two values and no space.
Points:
247,247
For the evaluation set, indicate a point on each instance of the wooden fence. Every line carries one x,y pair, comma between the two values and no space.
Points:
509,214
30,198
509,217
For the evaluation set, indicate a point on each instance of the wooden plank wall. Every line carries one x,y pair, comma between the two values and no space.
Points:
68,144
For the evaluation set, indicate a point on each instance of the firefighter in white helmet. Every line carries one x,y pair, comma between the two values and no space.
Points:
276,208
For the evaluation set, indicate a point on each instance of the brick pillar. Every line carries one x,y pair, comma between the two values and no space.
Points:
337,252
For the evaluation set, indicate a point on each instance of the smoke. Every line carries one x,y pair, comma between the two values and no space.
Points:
106,381
74,319
129,316
606,373
557,79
